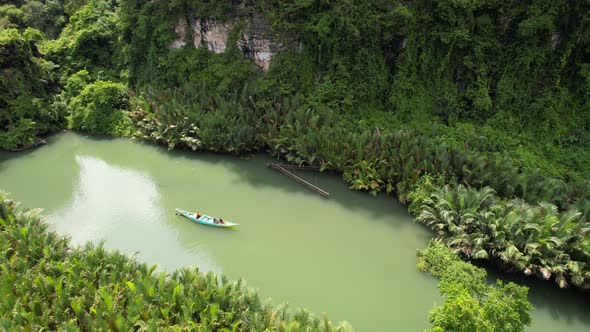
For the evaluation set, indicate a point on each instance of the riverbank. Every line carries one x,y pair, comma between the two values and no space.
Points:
430,175
55,287
477,188
292,245
421,171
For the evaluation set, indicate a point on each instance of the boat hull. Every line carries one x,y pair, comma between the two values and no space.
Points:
204,219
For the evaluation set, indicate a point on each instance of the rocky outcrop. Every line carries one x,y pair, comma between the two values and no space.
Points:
180,30
212,33
209,32
256,40
259,49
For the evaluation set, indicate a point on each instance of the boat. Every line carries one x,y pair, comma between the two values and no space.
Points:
204,219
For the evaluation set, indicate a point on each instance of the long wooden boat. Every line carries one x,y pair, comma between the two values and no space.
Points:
205,220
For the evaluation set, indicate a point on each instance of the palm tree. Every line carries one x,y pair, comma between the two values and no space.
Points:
457,213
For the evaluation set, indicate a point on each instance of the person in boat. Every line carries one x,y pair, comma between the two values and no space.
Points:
197,215
218,221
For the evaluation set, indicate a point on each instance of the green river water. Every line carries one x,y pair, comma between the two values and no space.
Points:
351,255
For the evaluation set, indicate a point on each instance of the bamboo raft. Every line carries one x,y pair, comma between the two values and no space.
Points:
283,169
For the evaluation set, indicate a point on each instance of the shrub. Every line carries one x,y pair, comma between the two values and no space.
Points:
471,305
97,109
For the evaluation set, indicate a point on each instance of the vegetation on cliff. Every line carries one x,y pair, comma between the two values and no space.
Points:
517,69
509,78
27,82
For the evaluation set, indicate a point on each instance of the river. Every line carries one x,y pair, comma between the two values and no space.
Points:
350,255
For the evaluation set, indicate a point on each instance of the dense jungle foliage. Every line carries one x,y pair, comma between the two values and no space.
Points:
517,69
27,82
475,113
469,73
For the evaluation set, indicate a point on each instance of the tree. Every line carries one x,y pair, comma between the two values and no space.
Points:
471,305
26,84
97,109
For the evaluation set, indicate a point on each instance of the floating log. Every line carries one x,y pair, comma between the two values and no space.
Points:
282,169
286,166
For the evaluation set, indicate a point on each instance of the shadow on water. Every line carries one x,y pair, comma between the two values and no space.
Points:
253,172
256,174
570,305
9,155
30,180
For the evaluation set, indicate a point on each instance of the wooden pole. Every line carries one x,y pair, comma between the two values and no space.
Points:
281,169
285,166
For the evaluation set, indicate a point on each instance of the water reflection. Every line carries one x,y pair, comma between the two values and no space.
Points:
122,207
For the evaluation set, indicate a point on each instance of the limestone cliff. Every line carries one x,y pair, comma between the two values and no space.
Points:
256,39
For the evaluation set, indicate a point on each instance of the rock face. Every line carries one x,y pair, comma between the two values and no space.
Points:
180,30
205,31
255,41
212,33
